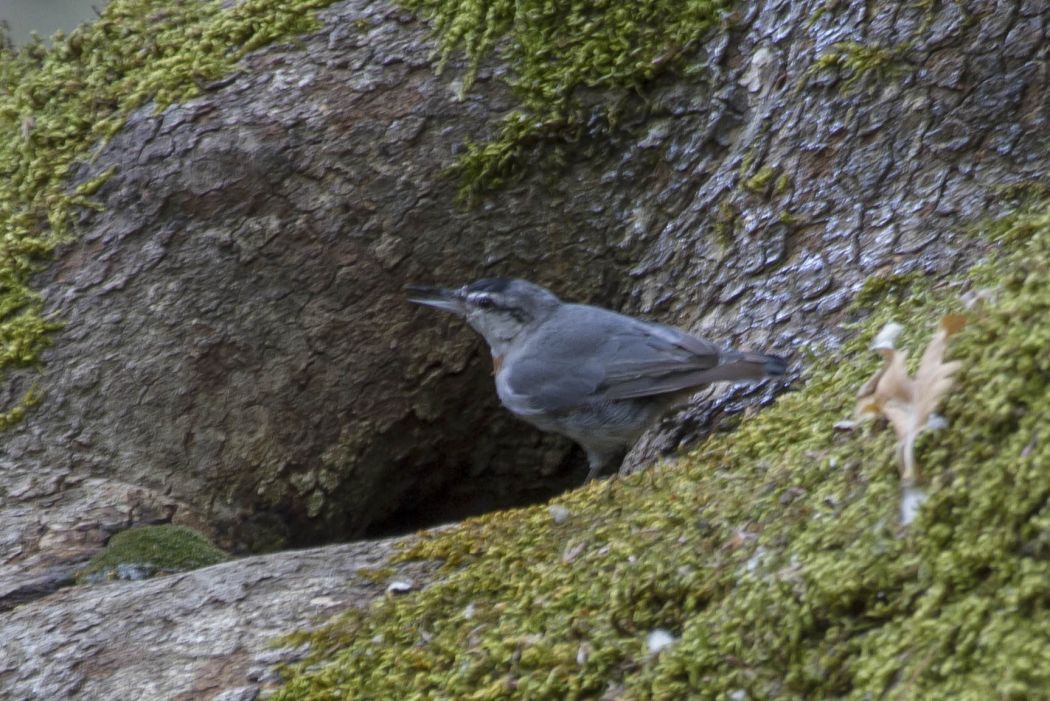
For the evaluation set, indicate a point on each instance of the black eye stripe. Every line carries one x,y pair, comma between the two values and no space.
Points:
482,300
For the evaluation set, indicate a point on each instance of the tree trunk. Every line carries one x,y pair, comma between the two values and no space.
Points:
238,353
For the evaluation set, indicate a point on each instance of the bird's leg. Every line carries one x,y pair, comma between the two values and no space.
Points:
599,460
596,462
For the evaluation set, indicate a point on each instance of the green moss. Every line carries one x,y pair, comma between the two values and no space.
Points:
16,413
859,64
759,182
377,575
556,51
773,554
825,7
879,290
1027,193
1029,222
746,161
152,550
725,222
57,103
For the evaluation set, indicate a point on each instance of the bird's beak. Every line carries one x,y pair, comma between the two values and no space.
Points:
438,297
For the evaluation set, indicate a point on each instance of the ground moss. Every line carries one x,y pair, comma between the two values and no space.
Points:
555,51
57,103
774,554
151,550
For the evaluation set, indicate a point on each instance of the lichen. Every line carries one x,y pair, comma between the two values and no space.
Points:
773,554
555,51
151,550
57,103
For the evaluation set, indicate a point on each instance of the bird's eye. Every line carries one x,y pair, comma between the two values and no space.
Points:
484,302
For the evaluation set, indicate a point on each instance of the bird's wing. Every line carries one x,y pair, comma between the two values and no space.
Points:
654,359
585,353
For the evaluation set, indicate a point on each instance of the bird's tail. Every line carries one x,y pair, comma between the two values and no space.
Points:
732,367
744,365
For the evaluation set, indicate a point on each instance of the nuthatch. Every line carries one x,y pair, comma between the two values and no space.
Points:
599,377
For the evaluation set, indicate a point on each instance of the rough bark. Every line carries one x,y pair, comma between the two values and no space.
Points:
208,634
237,336
237,351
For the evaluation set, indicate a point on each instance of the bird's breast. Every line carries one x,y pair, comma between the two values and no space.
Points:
517,402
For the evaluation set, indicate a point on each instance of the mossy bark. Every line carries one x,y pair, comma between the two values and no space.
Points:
775,558
235,343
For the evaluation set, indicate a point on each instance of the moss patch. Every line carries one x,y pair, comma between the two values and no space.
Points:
143,552
759,182
879,290
556,51
57,103
860,64
773,554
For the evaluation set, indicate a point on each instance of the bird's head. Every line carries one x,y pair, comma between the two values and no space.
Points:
497,308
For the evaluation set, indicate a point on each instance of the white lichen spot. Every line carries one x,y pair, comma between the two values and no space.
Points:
912,497
559,513
887,338
583,653
936,422
400,586
755,561
658,640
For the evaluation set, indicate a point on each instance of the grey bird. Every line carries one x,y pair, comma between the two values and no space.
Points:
599,377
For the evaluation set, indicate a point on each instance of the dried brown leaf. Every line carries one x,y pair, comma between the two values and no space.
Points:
905,401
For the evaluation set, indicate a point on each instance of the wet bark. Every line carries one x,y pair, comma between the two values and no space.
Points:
238,354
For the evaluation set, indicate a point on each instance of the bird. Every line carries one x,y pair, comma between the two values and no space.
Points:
599,377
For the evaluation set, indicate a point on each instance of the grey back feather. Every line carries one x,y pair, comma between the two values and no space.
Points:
590,353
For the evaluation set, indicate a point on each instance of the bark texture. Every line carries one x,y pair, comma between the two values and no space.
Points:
207,634
237,333
238,354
